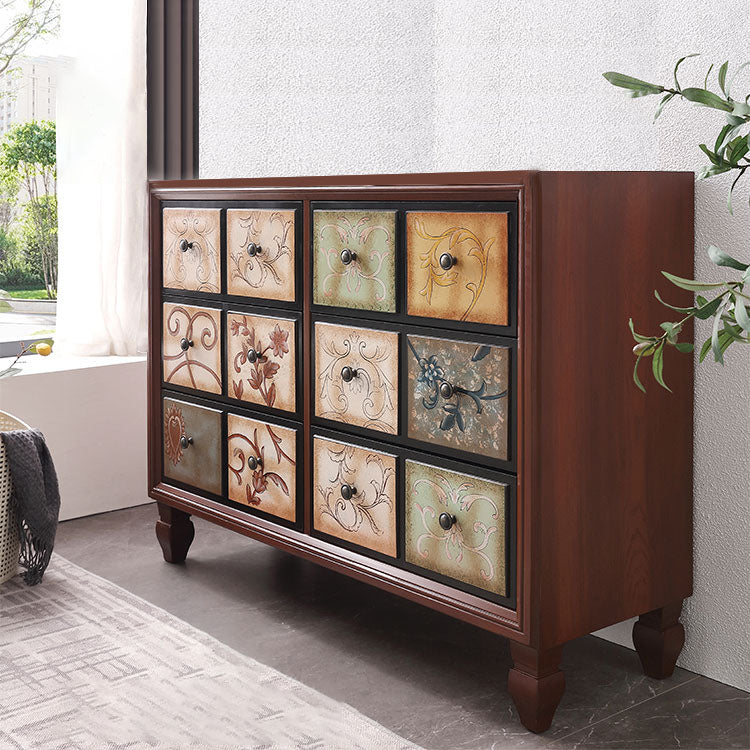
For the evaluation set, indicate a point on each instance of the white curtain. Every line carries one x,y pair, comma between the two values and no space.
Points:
102,207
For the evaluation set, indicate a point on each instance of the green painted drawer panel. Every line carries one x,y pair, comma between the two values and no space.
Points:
473,549
368,281
198,464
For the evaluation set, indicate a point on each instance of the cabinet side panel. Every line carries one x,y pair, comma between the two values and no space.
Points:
613,466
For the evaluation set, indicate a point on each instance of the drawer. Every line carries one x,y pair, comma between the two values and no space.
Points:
191,347
473,547
354,259
356,376
191,242
457,266
354,496
260,253
458,394
192,445
262,466
261,360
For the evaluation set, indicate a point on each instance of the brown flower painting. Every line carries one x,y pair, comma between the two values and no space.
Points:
260,352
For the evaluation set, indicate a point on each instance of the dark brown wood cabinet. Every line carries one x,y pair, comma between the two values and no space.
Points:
424,382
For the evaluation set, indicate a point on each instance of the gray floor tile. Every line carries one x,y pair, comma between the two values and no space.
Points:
434,680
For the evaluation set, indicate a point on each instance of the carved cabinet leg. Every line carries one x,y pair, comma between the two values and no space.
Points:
658,637
175,532
535,684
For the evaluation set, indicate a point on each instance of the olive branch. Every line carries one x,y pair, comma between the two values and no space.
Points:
729,306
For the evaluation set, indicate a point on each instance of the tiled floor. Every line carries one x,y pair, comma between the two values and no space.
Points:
435,681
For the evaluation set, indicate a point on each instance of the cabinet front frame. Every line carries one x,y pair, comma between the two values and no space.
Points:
517,188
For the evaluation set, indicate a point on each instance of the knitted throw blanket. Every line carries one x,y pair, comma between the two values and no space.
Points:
36,497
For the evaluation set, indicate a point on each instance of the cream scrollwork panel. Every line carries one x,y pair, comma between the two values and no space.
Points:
190,251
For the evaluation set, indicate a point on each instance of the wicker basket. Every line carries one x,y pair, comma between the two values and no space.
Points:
9,542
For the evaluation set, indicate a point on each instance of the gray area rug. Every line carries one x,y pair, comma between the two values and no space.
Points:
86,665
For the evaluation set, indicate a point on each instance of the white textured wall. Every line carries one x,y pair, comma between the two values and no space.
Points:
325,87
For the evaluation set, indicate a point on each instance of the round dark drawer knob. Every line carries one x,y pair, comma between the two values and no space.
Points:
253,249
347,256
185,344
185,245
348,374
447,261
253,462
252,355
185,441
446,520
446,390
348,491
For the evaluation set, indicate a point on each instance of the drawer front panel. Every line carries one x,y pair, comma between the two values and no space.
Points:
192,445
191,347
191,242
261,360
356,376
367,517
473,548
458,394
475,288
262,466
354,259
260,253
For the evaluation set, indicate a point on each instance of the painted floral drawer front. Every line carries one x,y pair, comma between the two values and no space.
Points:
192,445
472,548
261,360
356,376
458,394
457,266
354,495
354,259
260,253
191,347
191,245
262,466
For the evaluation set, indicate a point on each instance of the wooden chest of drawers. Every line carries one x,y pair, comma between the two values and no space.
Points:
423,381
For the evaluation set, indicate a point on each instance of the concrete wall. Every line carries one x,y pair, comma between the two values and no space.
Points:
326,87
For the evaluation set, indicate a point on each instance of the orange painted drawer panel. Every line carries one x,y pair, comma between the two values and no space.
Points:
457,266
354,495
191,347
262,466
356,376
190,249
260,253
261,360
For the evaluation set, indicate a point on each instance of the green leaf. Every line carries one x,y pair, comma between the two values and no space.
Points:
741,109
687,310
708,73
720,258
706,99
679,62
636,379
714,157
684,347
689,284
734,75
633,84
657,367
740,314
707,309
664,100
637,336
723,77
705,349
718,353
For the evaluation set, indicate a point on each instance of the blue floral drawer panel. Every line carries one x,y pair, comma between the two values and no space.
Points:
354,259
458,395
455,525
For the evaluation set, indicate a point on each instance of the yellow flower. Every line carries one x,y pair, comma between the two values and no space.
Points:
43,348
